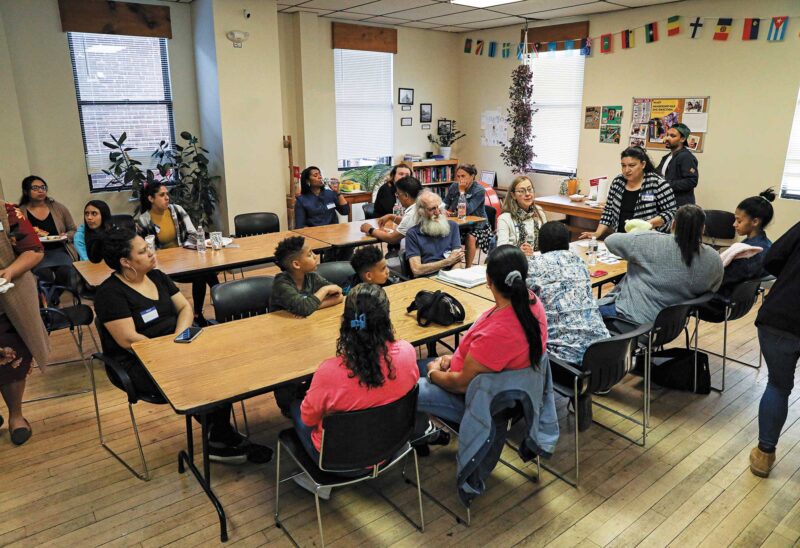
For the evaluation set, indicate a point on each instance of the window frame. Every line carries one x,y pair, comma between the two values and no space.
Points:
794,135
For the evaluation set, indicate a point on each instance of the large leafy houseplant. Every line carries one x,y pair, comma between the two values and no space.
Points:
447,138
125,170
518,152
367,177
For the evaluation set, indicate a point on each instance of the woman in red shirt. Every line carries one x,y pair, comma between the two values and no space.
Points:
511,335
370,369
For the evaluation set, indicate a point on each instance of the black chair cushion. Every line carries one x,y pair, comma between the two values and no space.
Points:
79,314
336,272
251,224
291,442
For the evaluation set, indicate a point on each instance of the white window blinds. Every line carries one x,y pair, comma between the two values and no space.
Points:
790,184
558,94
364,114
122,85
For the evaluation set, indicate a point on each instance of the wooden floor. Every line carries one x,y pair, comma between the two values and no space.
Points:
689,486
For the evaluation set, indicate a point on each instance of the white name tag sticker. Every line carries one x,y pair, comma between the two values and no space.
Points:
1,227
149,315
648,197
331,206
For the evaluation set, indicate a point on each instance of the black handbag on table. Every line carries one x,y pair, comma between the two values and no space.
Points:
436,307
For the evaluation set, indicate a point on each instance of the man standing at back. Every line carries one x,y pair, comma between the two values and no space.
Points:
679,167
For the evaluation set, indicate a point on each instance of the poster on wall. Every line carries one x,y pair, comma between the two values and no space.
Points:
609,134
591,119
641,111
638,136
612,115
494,128
653,116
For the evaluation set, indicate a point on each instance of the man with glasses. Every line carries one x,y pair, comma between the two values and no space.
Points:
406,190
434,242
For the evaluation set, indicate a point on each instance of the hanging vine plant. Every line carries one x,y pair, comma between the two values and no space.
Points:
518,151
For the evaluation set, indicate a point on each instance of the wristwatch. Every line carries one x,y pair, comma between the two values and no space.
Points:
371,230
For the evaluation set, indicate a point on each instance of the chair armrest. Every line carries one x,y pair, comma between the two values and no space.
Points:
702,299
121,374
568,367
57,311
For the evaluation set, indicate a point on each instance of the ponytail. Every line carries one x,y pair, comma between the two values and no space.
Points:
507,268
689,222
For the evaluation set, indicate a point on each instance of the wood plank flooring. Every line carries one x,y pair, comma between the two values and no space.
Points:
690,486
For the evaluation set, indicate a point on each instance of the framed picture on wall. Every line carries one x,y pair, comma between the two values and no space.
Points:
444,126
405,96
405,121
425,126
405,107
425,112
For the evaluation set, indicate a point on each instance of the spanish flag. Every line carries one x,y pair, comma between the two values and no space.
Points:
750,31
627,39
723,29
651,32
674,25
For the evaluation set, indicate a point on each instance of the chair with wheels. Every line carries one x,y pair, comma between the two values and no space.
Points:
253,224
336,272
361,444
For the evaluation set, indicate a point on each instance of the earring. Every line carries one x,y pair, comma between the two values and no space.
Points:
124,275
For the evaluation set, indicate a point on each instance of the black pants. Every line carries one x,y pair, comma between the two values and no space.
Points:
199,283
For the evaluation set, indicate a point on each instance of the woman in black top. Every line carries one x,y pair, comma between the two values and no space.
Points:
385,199
139,302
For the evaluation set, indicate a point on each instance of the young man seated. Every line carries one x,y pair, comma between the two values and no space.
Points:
371,268
407,190
434,242
299,289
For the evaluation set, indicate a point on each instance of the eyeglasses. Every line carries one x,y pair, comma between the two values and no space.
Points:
43,188
433,209
523,191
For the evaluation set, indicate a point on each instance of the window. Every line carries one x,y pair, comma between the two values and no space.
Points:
558,94
122,85
790,184
364,107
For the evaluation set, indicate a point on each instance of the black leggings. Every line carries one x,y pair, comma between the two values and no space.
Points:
199,283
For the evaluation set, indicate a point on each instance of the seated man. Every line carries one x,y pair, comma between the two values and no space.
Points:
407,190
434,242
371,268
561,280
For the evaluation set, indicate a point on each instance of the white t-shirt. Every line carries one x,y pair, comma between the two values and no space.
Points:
666,165
408,219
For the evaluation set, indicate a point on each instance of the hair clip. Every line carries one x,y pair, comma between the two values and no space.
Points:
360,322
511,276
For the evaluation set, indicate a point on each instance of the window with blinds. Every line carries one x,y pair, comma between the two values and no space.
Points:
364,109
122,85
790,184
558,94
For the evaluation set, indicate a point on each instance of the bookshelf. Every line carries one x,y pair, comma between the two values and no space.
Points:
435,173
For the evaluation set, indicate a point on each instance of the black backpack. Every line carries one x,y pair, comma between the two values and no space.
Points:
437,307
674,368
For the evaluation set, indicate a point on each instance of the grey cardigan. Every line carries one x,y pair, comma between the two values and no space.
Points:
657,276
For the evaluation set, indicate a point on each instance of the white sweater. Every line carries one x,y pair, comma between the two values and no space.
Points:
507,229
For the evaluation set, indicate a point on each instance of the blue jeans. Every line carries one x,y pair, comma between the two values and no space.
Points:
303,431
437,401
781,352
608,310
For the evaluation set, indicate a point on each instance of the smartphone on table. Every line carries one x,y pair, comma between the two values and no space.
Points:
188,335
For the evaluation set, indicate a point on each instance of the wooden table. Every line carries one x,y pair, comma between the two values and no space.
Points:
357,197
179,260
237,360
340,235
563,205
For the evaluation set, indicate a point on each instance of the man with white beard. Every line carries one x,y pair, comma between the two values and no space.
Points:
434,243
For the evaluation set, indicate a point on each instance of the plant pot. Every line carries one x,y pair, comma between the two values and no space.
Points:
445,152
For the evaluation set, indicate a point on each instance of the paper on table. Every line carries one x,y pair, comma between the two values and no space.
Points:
697,122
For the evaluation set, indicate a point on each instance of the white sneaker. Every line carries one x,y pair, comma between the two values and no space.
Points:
308,484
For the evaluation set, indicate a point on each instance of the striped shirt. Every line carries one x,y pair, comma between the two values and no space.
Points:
655,199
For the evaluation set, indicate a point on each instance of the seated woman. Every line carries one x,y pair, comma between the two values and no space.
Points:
96,221
478,234
639,192
172,227
663,269
139,302
370,369
317,205
50,219
521,219
385,197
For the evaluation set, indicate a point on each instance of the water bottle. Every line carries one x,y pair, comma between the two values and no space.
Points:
593,251
200,240
397,210
462,206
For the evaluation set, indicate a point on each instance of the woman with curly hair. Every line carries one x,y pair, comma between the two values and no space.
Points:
370,369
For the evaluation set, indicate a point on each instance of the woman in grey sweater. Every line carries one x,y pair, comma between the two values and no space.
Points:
663,269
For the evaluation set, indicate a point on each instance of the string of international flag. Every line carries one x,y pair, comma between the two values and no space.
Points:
723,30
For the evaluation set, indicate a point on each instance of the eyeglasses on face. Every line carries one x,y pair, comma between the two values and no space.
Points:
524,190
43,188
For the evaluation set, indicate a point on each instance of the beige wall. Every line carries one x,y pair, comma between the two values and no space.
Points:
753,88
46,104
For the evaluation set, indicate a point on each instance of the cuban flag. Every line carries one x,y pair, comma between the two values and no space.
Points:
777,29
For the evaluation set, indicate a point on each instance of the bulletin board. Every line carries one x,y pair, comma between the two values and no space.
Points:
653,116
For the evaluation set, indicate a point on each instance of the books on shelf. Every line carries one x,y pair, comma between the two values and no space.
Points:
435,174
465,277
412,158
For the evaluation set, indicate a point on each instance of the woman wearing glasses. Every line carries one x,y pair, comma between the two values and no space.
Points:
521,219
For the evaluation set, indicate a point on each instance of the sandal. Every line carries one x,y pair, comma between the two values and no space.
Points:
21,435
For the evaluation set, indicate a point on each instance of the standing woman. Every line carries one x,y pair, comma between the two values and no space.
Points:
96,222
317,205
639,192
521,220
385,198
22,334
478,234
172,227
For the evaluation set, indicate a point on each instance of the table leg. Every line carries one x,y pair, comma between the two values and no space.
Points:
186,460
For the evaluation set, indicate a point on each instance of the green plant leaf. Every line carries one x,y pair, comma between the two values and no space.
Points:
186,135
122,138
109,145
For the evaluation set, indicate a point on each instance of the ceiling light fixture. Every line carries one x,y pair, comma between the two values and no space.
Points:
482,3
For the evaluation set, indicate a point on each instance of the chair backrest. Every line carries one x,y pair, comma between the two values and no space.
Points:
719,224
336,272
491,201
123,221
743,297
671,320
252,224
405,265
609,360
241,298
369,211
356,440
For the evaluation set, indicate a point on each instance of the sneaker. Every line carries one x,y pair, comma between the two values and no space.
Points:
227,454
258,454
308,484
761,463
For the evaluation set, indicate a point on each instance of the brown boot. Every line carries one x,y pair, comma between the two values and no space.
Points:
761,463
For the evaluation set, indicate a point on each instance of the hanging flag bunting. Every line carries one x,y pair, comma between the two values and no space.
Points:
492,49
750,31
468,45
627,39
506,50
520,51
674,25
697,27
586,47
605,43
552,46
569,44
777,29
723,29
651,32
479,47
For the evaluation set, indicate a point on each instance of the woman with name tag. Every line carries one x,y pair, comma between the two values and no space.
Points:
639,192
317,205
139,302
521,220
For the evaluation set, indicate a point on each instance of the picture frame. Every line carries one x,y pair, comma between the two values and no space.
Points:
405,121
405,107
489,177
405,96
425,112
444,126
425,126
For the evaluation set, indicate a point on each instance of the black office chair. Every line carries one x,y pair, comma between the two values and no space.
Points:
719,226
369,211
123,221
252,224
336,272
362,444
740,302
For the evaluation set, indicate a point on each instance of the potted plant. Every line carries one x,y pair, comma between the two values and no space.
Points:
445,138
125,170
368,177
518,152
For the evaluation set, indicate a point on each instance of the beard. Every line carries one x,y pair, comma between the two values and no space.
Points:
436,228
